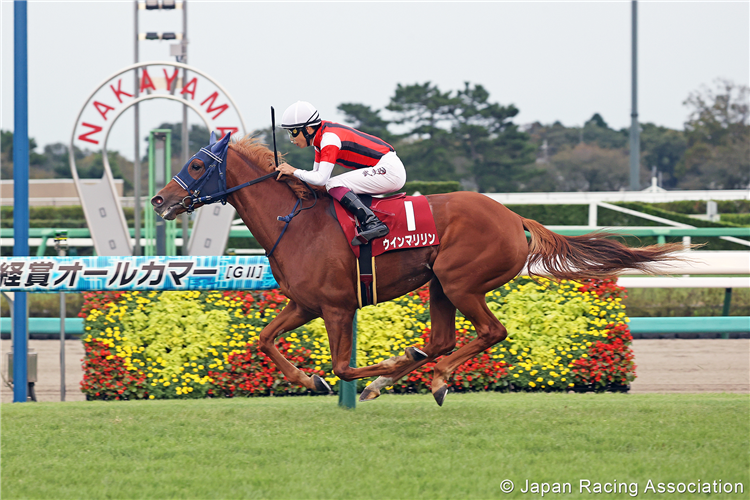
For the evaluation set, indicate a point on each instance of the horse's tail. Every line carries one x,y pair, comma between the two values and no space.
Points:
591,255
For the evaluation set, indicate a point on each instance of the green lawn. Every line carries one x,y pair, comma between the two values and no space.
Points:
395,447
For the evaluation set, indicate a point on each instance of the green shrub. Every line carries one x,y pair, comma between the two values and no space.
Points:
646,208
738,219
699,206
436,187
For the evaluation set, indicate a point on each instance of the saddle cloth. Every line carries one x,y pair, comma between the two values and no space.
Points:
408,218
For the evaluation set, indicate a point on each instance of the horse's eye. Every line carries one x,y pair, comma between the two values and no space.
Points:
196,166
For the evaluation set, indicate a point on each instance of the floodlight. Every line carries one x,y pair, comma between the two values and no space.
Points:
168,4
152,4
152,35
168,36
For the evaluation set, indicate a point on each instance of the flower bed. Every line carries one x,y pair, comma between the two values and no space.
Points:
562,336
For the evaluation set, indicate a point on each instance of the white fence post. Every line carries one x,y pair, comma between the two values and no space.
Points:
593,214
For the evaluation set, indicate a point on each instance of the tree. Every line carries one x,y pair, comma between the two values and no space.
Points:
496,147
41,165
596,131
198,136
423,108
718,116
586,167
460,136
663,148
718,133
91,166
557,137
426,147
368,120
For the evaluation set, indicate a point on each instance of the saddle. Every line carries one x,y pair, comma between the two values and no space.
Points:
410,223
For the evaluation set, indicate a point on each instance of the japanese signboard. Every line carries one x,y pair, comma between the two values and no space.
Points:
72,274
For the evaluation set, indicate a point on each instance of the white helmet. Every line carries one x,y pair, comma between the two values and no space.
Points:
299,115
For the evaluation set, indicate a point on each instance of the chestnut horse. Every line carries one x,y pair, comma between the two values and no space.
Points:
482,247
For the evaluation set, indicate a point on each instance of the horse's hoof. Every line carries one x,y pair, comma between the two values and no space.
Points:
320,384
440,395
368,395
415,354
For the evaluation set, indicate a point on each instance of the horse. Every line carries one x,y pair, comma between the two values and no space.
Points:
482,246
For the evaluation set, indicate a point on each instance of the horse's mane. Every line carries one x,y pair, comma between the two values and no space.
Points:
257,152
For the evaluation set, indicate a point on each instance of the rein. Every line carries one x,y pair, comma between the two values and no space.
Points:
221,196
214,158
294,212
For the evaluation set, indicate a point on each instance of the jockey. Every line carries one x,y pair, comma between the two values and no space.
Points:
377,169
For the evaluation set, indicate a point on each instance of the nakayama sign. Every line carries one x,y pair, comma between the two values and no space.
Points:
156,80
116,94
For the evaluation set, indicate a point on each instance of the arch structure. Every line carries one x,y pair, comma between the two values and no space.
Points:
105,105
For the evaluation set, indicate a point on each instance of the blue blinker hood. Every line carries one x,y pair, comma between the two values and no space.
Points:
214,178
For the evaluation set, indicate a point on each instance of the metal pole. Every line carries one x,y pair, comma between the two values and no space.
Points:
159,165
635,140
61,241
20,193
62,344
727,306
348,390
137,161
185,132
727,301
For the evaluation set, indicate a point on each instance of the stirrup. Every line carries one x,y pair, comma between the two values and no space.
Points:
365,237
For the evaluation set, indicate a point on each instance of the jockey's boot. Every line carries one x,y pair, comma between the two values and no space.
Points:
370,226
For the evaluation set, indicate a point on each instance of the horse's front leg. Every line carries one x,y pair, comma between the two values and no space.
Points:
339,327
291,317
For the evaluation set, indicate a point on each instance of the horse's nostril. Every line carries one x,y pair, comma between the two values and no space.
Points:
157,201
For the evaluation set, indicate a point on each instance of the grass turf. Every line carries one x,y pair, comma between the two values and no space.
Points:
395,447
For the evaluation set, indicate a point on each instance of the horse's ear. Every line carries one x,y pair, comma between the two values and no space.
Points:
225,140
220,147
212,140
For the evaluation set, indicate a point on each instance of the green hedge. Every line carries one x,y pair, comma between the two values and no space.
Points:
66,216
699,206
437,187
651,210
738,219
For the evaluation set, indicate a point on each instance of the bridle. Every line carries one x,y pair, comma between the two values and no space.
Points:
214,177
214,180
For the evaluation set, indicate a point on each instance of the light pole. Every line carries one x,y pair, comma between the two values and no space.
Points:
180,51
635,139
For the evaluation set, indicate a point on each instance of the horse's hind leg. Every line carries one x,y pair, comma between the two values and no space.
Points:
442,340
489,332
291,317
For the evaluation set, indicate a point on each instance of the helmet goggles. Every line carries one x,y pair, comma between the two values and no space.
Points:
294,132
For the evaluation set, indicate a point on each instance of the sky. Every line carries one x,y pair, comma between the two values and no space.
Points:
553,60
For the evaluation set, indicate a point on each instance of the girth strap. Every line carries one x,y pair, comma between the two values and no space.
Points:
367,293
